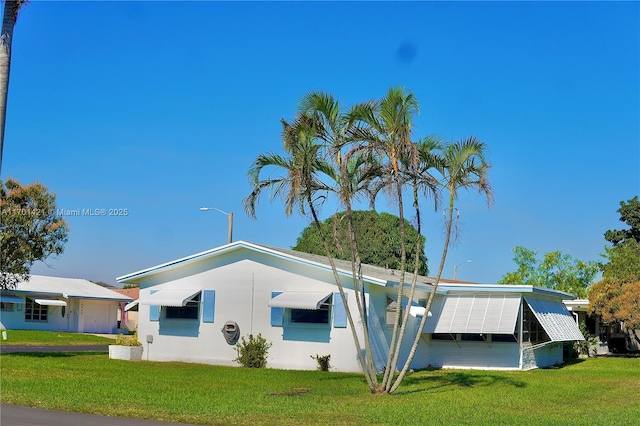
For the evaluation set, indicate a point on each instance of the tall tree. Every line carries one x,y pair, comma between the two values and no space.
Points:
556,270
616,298
378,236
11,9
303,169
355,171
629,214
30,230
465,167
387,131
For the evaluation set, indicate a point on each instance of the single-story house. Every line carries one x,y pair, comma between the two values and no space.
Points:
60,304
612,338
195,308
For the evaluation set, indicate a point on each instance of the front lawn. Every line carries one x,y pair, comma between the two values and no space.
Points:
595,391
52,338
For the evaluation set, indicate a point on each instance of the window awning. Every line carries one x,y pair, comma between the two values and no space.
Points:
480,313
130,305
50,302
169,297
5,298
556,319
311,300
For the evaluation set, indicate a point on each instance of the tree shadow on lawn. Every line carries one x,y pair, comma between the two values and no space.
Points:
445,380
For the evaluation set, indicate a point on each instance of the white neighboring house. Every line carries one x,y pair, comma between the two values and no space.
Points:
190,309
60,304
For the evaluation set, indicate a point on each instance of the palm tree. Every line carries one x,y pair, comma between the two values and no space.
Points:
304,168
356,170
386,130
11,9
464,167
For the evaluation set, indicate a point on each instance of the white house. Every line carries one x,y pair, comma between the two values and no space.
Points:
194,309
60,304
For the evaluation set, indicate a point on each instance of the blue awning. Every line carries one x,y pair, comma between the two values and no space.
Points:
5,298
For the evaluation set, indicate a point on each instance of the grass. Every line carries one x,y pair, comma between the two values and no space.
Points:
51,338
594,391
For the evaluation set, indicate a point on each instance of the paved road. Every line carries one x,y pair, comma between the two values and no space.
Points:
13,415
6,349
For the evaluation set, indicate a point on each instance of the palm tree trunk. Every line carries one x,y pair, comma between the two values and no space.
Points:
370,382
360,296
396,338
414,347
11,8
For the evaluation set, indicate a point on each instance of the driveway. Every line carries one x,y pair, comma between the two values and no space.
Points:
13,415
7,349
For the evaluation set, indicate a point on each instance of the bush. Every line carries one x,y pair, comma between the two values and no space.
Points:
589,345
253,353
132,340
323,362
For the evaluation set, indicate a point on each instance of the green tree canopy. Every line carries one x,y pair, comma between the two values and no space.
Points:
616,298
556,270
30,230
378,239
629,214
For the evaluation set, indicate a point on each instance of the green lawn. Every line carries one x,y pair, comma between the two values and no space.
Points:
595,391
52,338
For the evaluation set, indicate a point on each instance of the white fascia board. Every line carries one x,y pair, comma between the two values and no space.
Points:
504,288
134,276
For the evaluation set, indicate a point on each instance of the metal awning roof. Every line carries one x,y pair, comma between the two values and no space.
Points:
311,300
555,318
480,313
5,298
131,305
169,297
50,302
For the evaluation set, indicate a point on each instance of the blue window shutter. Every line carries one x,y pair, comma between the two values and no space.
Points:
277,314
339,311
154,311
208,307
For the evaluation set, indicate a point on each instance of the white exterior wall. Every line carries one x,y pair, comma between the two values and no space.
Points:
14,319
243,289
82,316
548,355
475,355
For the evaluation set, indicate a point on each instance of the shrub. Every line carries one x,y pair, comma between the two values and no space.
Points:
588,345
132,340
253,353
323,362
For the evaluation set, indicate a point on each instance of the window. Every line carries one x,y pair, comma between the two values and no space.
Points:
472,337
6,306
443,336
34,311
307,316
392,308
190,311
504,338
532,330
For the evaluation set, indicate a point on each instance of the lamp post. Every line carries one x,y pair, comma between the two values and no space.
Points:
455,268
230,215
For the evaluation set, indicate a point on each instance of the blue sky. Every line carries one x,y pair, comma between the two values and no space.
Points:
160,107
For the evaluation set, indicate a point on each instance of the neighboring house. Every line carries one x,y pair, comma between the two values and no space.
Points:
612,338
128,318
194,308
60,304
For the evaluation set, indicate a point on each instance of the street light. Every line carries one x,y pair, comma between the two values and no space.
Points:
230,215
455,268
